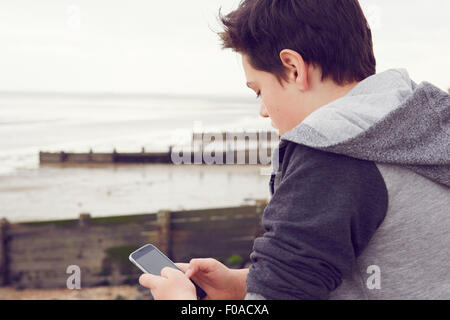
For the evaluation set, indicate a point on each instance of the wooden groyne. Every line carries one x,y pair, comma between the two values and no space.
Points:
37,254
112,157
257,150
229,137
256,157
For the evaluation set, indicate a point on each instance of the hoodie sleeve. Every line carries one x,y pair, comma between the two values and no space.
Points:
320,218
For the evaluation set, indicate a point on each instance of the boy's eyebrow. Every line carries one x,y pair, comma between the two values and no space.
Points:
249,84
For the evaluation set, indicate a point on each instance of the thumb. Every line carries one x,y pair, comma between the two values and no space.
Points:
182,266
198,265
149,280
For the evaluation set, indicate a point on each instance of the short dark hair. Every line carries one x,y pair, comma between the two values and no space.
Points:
331,34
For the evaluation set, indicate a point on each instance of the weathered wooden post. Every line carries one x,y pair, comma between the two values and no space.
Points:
246,149
164,235
258,147
84,219
114,155
4,256
260,205
62,156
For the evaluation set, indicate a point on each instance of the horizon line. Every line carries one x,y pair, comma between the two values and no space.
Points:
103,94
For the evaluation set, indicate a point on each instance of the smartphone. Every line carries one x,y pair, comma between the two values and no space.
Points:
150,260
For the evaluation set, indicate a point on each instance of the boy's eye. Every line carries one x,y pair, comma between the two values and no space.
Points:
258,95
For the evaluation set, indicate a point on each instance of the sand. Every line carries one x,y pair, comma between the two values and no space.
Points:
63,192
97,293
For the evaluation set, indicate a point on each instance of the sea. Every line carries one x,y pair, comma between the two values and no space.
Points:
33,122
30,123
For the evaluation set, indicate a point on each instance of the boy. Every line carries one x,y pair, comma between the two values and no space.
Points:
360,188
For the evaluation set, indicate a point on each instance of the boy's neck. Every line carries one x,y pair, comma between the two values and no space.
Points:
329,91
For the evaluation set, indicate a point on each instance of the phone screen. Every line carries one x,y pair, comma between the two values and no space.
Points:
153,262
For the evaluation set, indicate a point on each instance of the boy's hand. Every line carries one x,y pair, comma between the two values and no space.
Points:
171,285
218,281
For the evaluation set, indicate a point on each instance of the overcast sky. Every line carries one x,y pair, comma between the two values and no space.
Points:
142,46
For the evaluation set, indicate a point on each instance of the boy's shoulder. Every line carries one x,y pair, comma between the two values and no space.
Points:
294,156
315,175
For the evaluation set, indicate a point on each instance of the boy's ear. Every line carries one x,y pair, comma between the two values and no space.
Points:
296,68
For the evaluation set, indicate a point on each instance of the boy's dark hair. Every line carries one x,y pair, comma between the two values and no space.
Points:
331,34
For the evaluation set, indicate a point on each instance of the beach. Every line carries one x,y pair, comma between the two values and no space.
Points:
78,123
63,192
97,293
30,191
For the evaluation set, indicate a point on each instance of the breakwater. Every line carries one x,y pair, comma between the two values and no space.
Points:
37,254
205,148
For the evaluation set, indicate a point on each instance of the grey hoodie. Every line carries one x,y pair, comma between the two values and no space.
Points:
386,118
393,138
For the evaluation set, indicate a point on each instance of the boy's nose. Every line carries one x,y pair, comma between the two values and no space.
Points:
263,111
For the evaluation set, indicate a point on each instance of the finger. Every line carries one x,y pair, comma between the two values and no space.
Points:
150,280
169,272
201,264
191,271
182,266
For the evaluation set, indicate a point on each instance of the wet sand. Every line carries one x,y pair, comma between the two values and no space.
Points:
97,293
63,192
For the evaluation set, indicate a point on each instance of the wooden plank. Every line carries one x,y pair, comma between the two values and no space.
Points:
189,235
216,217
216,211
215,225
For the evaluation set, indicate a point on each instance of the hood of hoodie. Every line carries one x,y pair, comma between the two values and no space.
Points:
386,118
